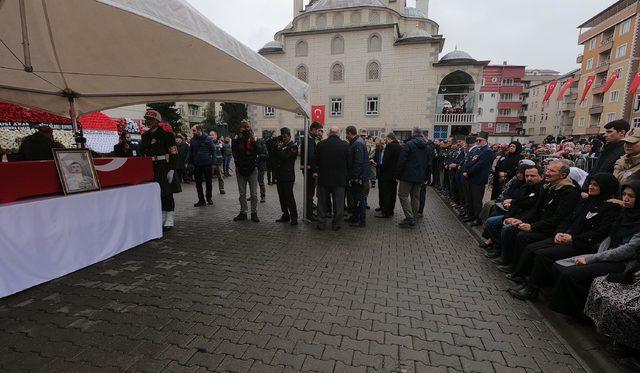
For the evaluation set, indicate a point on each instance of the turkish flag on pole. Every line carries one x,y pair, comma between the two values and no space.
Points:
587,87
610,81
318,113
552,87
565,88
633,88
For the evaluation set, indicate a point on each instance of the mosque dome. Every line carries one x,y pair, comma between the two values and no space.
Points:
414,13
341,4
457,56
272,47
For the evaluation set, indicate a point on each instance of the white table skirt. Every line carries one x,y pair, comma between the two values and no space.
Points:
47,238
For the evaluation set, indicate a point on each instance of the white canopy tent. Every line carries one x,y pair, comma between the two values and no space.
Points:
109,53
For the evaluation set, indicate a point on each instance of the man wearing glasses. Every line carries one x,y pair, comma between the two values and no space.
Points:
476,175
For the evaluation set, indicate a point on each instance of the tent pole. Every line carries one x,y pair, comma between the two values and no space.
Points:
306,170
77,130
25,38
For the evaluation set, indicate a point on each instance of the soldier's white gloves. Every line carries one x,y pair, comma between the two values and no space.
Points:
170,176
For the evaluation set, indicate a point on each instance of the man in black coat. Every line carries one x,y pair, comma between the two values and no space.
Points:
614,148
310,189
37,147
331,165
388,183
285,154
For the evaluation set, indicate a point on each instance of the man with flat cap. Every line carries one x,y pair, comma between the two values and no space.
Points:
286,153
476,175
160,145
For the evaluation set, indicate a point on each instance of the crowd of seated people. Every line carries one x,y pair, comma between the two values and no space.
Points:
571,236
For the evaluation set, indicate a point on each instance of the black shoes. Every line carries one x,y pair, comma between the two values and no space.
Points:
200,204
241,217
476,223
358,225
485,245
262,199
469,220
254,218
505,268
209,201
492,254
407,224
283,219
524,292
515,278
294,222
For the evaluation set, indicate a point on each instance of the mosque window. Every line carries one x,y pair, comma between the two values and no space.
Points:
374,17
356,18
375,43
338,20
302,73
337,72
321,21
302,49
373,71
337,45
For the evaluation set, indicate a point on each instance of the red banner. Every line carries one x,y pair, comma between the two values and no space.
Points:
40,178
610,81
587,87
318,114
550,89
633,88
565,87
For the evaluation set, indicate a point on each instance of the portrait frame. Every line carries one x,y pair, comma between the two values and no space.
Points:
76,171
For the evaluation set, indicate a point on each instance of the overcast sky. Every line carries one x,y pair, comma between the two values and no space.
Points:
536,33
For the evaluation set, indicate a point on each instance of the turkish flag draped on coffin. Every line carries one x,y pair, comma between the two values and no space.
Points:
318,114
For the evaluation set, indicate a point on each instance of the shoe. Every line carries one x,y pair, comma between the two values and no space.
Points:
357,225
241,217
263,200
498,261
294,222
526,293
368,207
469,220
321,227
505,268
200,204
515,278
312,218
283,219
485,245
407,223
248,199
382,216
254,218
209,201
168,224
269,183
419,215
378,209
492,254
476,223
351,220
223,192
336,228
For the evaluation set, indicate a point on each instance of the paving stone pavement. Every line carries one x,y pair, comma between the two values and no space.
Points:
220,296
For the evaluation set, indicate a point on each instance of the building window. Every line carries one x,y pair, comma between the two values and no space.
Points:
621,51
337,73
375,43
304,24
592,44
481,96
493,95
479,111
615,95
625,27
356,18
336,106
338,20
542,130
502,127
636,122
269,112
302,49
491,110
506,97
194,111
504,112
590,64
490,125
374,17
507,82
440,132
619,71
585,103
581,122
636,104
611,117
302,73
321,21
337,45
373,105
373,71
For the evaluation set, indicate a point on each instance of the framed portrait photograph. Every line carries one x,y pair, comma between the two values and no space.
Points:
76,170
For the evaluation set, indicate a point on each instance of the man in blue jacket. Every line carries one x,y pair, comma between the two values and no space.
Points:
202,157
359,172
414,170
476,175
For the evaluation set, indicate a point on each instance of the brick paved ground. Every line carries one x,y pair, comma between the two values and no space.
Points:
222,296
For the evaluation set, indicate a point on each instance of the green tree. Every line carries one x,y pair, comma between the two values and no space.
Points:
233,114
209,122
169,114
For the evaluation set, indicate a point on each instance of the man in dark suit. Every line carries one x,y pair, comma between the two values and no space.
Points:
388,183
331,161
310,188
286,153
476,175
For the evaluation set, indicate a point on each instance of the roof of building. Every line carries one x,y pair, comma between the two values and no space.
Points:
457,55
340,4
415,34
414,13
607,13
271,47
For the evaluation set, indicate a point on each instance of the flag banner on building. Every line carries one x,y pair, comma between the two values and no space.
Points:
318,114
565,87
550,89
610,81
587,87
635,84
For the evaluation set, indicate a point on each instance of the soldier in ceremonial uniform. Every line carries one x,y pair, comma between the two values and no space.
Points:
286,153
160,144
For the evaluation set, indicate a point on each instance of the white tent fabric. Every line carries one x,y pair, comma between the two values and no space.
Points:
111,53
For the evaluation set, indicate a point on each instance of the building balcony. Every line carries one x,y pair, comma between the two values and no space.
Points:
603,66
513,105
507,120
596,109
515,89
579,58
606,44
455,118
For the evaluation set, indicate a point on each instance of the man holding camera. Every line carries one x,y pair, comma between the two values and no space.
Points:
285,154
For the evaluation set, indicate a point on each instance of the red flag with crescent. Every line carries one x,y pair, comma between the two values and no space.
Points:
565,87
610,81
318,114
550,89
633,88
587,87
